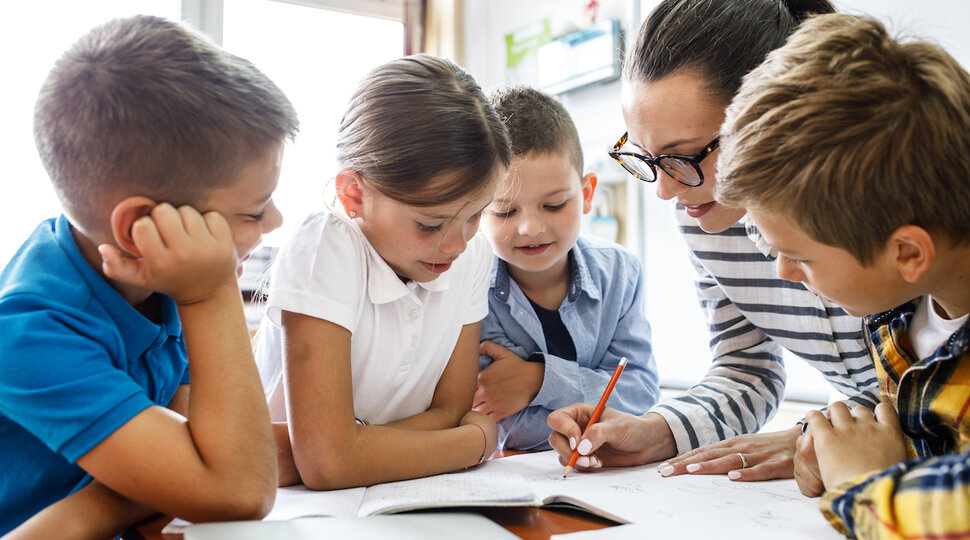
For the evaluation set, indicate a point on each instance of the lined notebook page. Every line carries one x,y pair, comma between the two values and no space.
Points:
467,488
298,501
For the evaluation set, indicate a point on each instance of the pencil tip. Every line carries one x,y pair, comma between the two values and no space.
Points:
568,470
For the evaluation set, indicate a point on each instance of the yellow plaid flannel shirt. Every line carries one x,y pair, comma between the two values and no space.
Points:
928,495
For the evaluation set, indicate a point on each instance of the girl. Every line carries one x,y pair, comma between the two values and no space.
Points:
682,72
369,351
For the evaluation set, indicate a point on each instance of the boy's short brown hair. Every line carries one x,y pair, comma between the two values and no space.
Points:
538,123
145,106
852,133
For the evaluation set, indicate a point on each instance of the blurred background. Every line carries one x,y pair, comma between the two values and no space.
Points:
318,50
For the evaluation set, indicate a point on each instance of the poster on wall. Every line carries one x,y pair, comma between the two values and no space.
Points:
522,52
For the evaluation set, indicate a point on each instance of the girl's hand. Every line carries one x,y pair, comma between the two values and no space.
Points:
181,253
618,439
855,442
488,427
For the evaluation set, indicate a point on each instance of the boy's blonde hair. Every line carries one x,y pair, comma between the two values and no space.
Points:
538,123
852,133
146,106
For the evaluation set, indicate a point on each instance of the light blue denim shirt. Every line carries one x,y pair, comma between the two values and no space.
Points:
605,314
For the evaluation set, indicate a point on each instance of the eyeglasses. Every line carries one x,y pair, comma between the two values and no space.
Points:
684,169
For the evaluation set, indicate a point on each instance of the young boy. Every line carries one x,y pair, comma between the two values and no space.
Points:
849,148
563,308
164,151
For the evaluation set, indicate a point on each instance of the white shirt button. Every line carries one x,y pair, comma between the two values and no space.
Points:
414,314
414,341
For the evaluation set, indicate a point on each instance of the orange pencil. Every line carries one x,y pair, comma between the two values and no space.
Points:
596,414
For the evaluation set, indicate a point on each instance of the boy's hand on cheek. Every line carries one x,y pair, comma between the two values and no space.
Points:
852,443
508,384
184,254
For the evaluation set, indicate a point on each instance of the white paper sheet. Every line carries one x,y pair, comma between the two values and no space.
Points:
429,526
693,505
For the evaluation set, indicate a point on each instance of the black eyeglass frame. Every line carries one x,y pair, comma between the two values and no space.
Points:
654,162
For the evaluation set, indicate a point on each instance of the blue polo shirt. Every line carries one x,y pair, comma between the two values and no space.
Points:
76,362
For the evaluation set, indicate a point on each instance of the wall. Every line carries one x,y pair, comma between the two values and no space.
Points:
680,334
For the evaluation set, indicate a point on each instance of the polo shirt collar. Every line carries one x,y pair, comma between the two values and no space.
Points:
384,285
137,332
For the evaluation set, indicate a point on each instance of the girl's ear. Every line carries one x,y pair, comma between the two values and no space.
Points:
350,192
589,188
913,251
123,217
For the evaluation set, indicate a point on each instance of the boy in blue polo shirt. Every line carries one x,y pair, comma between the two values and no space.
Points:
563,308
164,151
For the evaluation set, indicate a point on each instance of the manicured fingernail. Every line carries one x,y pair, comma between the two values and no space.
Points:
583,461
585,446
572,443
693,467
734,475
595,462
666,470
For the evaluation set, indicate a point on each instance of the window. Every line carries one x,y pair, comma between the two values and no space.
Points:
303,48
35,38
317,57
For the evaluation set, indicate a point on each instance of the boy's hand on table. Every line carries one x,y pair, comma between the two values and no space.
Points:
851,443
807,475
508,384
181,253
618,439
768,455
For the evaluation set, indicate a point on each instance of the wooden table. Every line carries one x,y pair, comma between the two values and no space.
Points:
528,523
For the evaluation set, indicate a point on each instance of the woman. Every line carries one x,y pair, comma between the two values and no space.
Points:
686,65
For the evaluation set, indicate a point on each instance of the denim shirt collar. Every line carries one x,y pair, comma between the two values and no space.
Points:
580,279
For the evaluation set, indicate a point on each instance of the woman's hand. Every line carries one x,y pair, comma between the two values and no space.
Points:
767,456
618,439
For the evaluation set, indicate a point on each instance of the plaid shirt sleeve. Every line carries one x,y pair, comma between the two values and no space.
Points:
928,496
912,499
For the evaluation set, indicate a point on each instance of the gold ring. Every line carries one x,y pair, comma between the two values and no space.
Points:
744,461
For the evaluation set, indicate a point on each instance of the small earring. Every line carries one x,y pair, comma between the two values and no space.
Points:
353,213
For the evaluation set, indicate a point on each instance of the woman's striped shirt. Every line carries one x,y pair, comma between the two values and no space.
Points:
751,315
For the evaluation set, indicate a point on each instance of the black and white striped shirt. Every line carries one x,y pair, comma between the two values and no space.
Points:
751,315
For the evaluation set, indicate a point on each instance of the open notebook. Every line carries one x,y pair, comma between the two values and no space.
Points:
624,495
476,487
481,486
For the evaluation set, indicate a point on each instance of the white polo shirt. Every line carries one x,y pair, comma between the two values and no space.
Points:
402,334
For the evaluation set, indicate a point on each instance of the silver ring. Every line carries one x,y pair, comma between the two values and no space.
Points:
744,461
